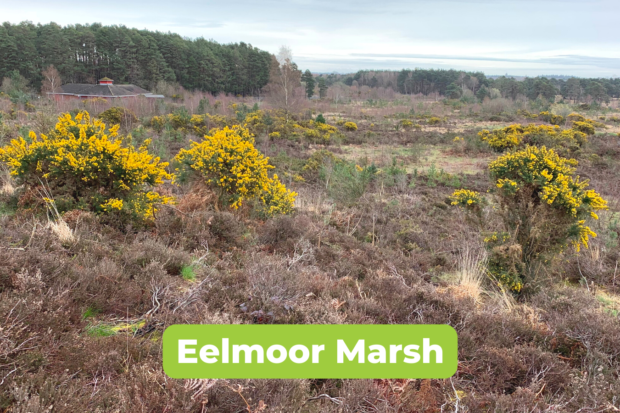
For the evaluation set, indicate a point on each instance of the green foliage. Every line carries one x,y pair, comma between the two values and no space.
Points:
322,88
15,85
133,56
203,106
436,176
99,330
118,116
188,273
90,312
482,93
319,160
453,91
320,118
395,174
346,182
308,80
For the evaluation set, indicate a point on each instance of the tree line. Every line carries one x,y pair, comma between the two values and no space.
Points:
452,83
85,53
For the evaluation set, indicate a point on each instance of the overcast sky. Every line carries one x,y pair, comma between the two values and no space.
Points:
524,37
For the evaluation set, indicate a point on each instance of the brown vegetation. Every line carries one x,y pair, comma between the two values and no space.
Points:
81,319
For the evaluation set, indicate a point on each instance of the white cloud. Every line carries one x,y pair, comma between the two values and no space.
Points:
526,37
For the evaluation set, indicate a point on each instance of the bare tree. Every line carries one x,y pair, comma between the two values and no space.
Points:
473,83
337,92
284,88
51,79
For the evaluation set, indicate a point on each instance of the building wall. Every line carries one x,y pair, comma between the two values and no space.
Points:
60,98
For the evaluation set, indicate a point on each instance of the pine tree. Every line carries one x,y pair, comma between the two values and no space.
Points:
8,53
308,79
482,93
85,53
322,88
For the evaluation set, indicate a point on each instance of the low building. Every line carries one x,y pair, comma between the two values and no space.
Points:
104,89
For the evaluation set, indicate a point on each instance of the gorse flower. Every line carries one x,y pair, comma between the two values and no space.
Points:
228,161
543,207
350,126
276,199
89,165
517,135
549,178
466,198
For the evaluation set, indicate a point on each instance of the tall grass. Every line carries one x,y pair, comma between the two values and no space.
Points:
471,271
55,221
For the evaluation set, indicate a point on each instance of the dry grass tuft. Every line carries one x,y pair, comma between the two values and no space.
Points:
56,223
62,231
7,186
471,271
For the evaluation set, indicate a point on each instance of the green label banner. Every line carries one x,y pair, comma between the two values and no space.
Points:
242,351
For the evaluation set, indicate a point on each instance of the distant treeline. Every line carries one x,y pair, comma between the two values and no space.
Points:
452,83
85,53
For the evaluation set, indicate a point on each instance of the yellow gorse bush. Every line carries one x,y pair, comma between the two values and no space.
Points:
82,160
549,178
316,132
276,199
118,116
228,161
551,118
465,198
501,139
350,126
517,135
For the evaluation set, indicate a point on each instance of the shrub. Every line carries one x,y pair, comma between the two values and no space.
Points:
466,198
551,118
320,159
188,273
320,118
88,167
502,139
517,135
405,123
584,127
434,120
527,114
346,182
228,162
543,206
180,120
576,117
118,116
158,123
198,124
276,199
350,126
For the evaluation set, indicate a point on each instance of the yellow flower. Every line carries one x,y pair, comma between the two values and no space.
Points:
99,168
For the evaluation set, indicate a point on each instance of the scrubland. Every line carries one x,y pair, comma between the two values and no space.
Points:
374,237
